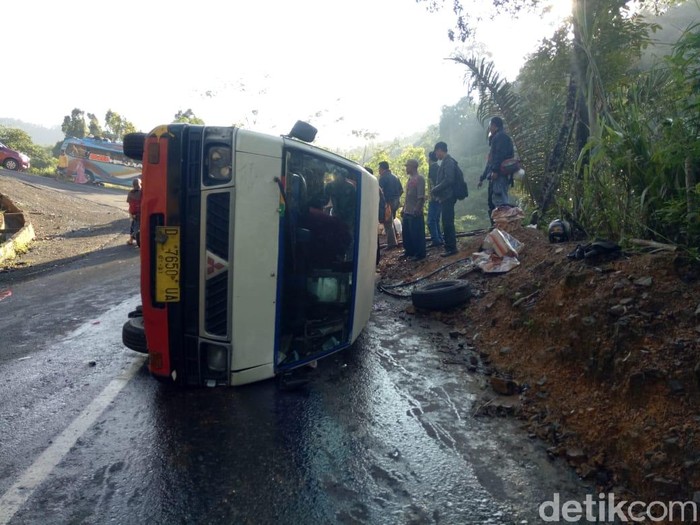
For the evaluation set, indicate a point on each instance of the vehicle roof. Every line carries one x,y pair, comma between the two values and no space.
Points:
95,143
289,141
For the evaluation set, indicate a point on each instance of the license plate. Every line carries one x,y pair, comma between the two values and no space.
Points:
167,264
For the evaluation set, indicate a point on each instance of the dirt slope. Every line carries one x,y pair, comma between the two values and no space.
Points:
603,354
66,222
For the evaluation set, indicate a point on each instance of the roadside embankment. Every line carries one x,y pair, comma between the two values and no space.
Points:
16,232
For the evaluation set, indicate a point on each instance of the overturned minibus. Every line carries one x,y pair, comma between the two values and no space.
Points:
257,253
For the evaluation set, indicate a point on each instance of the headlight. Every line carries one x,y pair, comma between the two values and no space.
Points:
217,358
24,157
219,166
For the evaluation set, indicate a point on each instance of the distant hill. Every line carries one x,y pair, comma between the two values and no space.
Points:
39,134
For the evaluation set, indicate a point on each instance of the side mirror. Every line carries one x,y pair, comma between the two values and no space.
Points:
303,131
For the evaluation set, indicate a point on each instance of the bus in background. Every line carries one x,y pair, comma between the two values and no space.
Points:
257,253
96,161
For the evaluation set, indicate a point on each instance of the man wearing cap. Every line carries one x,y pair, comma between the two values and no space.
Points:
444,192
413,224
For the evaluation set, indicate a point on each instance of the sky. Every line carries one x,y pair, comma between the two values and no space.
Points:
372,65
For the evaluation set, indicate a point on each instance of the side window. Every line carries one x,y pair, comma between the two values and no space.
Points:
326,185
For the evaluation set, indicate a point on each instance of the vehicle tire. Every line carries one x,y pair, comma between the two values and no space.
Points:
441,295
136,312
134,336
90,176
133,144
11,164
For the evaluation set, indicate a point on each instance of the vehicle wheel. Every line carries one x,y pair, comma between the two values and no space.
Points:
134,336
133,144
441,295
90,176
136,312
11,164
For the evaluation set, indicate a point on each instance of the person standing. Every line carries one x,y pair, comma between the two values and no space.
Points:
433,204
80,176
500,149
413,222
343,196
391,186
330,237
62,168
133,198
444,193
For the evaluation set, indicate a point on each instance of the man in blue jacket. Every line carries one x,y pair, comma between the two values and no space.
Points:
501,148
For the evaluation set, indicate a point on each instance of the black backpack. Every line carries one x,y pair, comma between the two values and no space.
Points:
398,187
460,189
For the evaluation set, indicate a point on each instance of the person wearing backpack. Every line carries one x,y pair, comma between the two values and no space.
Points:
444,192
392,188
501,148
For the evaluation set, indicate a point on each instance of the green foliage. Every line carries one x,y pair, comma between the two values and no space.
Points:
17,139
467,17
43,162
616,147
94,128
116,126
44,159
467,143
74,124
397,162
675,223
187,117
635,181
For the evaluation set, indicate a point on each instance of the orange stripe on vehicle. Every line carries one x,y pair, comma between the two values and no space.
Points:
155,319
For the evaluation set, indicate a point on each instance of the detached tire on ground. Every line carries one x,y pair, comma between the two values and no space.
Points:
134,336
441,295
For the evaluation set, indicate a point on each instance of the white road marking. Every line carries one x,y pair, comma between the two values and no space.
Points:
21,491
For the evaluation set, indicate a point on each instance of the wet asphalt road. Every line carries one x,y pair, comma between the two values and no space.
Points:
382,433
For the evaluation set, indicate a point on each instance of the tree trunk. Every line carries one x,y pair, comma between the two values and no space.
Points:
581,10
557,158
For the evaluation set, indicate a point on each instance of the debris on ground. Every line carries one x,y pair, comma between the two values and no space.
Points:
603,354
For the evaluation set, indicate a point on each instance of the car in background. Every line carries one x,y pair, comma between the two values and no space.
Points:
13,160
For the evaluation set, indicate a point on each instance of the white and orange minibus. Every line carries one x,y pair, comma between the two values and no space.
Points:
257,253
